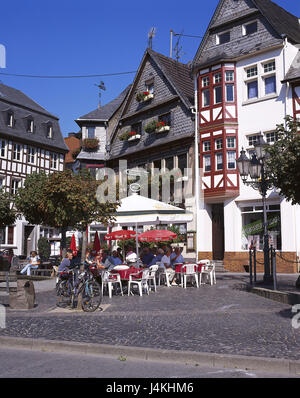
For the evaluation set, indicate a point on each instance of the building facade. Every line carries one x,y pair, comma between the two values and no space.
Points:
30,141
245,84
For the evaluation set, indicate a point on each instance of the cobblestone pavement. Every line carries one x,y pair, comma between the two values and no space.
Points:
219,319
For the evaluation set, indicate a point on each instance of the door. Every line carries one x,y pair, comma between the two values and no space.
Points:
218,231
28,235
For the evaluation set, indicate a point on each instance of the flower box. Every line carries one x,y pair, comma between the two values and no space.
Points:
134,137
90,143
144,96
162,129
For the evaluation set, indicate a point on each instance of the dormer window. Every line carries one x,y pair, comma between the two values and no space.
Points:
150,88
223,38
29,125
249,28
49,131
10,119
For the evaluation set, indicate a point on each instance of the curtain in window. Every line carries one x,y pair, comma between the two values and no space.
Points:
252,90
270,85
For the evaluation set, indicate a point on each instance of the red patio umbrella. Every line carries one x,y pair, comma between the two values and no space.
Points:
156,235
119,235
73,245
96,245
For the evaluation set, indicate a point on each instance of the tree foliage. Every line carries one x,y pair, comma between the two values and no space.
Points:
8,213
283,162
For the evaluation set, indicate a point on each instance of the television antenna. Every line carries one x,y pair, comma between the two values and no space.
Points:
151,35
101,86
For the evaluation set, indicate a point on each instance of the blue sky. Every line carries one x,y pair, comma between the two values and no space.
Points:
82,37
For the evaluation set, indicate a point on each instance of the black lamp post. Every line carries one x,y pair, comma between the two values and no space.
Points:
255,168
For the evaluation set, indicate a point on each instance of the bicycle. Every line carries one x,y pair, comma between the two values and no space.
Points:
71,287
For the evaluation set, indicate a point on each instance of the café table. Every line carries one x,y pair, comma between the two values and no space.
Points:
179,271
125,274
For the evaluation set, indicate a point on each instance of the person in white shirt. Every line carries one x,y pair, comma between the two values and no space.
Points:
33,264
166,263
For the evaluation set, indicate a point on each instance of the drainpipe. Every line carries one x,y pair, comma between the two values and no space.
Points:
284,37
197,190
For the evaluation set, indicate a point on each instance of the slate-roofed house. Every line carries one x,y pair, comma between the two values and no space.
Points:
161,94
98,125
30,141
246,71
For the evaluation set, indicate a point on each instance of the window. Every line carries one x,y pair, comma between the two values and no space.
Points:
49,133
206,146
271,137
207,163
205,98
231,156
252,88
252,139
223,38
2,236
182,162
249,28
17,152
157,164
169,163
229,76
90,132
269,67
2,179
205,81
253,229
270,85
150,88
218,94
219,143
137,128
31,155
30,125
10,235
230,142
219,161
218,77
15,184
2,148
53,161
10,119
251,72
229,92
166,118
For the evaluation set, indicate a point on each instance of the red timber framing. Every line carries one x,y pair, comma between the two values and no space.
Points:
296,100
218,130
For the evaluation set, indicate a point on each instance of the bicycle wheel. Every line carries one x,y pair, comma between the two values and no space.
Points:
91,296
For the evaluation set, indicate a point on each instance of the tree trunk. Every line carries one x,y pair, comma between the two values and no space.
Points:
63,243
84,244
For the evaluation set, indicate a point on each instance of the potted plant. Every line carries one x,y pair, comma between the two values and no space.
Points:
144,96
151,127
129,136
90,143
161,127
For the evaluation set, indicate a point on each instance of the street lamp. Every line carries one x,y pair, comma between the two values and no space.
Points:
255,168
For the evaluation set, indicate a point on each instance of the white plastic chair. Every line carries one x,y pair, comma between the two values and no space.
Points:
152,276
121,267
163,274
109,279
209,271
142,282
189,271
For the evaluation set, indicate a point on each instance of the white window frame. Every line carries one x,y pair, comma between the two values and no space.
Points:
215,95
3,149
54,161
31,157
244,26
219,143
2,182
231,168
268,134
219,154
231,79
227,140
205,81
11,119
13,188
260,79
218,35
205,144
249,138
30,124
49,133
205,106
206,164
17,152
217,77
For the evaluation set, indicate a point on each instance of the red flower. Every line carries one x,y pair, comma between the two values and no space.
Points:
160,124
146,92
132,133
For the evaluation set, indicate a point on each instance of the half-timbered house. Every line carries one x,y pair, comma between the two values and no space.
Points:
245,84
30,141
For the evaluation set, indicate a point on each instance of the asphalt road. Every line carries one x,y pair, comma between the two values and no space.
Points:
21,363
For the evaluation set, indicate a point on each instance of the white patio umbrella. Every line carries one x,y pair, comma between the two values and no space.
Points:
137,210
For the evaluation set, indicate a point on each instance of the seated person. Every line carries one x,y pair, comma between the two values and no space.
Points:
157,259
119,251
115,259
34,262
65,265
176,257
131,256
166,263
147,256
105,263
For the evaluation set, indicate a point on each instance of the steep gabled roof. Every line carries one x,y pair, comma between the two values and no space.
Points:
107,111
280,20
294,71
16,97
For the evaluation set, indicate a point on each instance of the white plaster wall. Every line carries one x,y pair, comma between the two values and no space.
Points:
204,234
232,226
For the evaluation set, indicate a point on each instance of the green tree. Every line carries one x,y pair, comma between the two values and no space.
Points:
8,213
44,248
63,200
283,162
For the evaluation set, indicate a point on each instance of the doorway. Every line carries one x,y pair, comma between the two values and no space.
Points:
218,231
